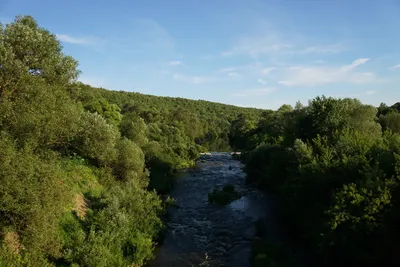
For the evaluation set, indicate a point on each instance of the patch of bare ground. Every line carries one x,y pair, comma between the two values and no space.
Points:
81,205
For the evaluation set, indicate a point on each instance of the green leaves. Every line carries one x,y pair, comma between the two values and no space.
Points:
338,182
391,122
96,139
33,50
110,112
134,128
32,191
129,164
361,207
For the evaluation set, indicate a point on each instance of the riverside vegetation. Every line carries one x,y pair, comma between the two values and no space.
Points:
82,168
335,168
79,166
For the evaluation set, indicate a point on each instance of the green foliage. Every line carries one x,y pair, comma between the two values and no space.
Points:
264,252
360,207
31,192
72,192
336,182
32,51
224,196
391,122
268,166
119,232
110,112
96,138
134,128
129,165
239,131
75,161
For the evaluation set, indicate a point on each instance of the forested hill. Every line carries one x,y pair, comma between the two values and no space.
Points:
206,122
170,131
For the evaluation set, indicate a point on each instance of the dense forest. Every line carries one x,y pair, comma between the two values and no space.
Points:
83,170
335,169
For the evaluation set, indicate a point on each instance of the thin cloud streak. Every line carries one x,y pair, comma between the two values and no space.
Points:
76,40
273,45
253,69
312,76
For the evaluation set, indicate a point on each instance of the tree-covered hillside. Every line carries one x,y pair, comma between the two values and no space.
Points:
170,131
75,161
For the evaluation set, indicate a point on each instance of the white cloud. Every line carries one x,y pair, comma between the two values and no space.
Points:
312,76
267,71
321,49
253,69
191,79
233,74
276,43
176,63
255,92
226,70
355,64
76,40
262,81
396,67
370,92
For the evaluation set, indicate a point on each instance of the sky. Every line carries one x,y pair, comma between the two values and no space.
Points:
252,53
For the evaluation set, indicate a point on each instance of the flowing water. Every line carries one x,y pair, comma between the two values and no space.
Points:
198,229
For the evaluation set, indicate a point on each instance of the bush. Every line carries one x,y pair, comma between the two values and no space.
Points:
224,196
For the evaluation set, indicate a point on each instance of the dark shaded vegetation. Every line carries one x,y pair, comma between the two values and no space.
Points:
265,252
78,164
223,196
334,166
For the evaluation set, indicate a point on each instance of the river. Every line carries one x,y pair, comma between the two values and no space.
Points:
198,229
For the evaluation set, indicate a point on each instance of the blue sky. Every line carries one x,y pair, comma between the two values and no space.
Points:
254,53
